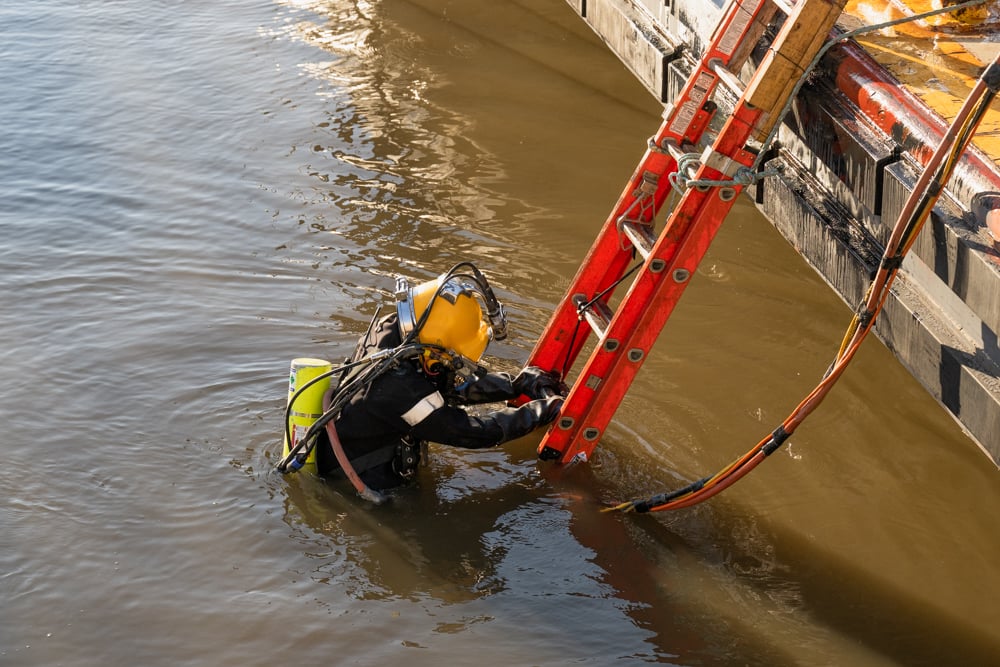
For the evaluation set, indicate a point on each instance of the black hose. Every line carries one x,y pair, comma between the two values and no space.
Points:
379,364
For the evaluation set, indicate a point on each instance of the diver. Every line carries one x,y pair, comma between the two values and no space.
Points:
410,379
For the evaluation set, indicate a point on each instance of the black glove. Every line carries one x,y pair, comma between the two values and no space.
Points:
486,388
545,409
535,383
516,422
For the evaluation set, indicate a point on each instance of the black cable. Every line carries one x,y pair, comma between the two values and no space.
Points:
345,393
300,390
377,367
584,306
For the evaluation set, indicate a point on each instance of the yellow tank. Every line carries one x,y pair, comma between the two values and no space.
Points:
308,406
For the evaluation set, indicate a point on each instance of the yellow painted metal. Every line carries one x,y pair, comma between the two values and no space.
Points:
308,407
938,59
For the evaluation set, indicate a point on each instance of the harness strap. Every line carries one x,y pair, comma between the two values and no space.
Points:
367,461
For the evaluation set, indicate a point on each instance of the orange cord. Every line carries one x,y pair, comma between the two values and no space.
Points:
911,220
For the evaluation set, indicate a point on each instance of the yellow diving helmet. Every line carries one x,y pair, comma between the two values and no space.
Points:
456,321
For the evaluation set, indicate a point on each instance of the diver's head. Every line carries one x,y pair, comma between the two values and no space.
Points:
445,312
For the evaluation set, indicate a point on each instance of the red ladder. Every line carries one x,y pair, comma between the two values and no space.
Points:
671,256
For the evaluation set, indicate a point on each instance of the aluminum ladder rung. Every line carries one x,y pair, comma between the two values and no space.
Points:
641,235
598,314
671,148
727,77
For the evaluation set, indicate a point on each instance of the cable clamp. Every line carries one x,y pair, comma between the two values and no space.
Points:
778,438
641,506
892,263
864,316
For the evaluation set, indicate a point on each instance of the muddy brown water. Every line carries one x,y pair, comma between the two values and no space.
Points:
196,194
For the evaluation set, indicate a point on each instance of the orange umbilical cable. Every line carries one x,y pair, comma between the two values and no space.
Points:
911,220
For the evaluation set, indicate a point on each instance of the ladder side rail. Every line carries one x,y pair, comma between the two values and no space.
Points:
649,303
686,115
562,340
689,231
605,263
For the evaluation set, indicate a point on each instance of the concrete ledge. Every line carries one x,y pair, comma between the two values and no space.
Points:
852,154
579,6
939,355
941,320
953,366
820,229
959,256
633,35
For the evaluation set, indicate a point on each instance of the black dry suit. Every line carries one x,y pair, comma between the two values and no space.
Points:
384,424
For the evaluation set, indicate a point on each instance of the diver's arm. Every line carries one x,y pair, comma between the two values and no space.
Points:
486,388
453,426
532,382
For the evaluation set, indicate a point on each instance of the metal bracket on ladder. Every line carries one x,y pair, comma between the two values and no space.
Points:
670,257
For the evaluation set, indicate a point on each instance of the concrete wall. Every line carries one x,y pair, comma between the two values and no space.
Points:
852,149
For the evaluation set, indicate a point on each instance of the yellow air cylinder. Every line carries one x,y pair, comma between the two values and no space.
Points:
308,406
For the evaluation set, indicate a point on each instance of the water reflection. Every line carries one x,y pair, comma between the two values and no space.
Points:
496,525
487,532
416,164
433,538
400,183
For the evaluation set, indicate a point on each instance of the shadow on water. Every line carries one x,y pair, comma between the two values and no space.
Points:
495,525
716,584
773,580
415,544
886,618
467,532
